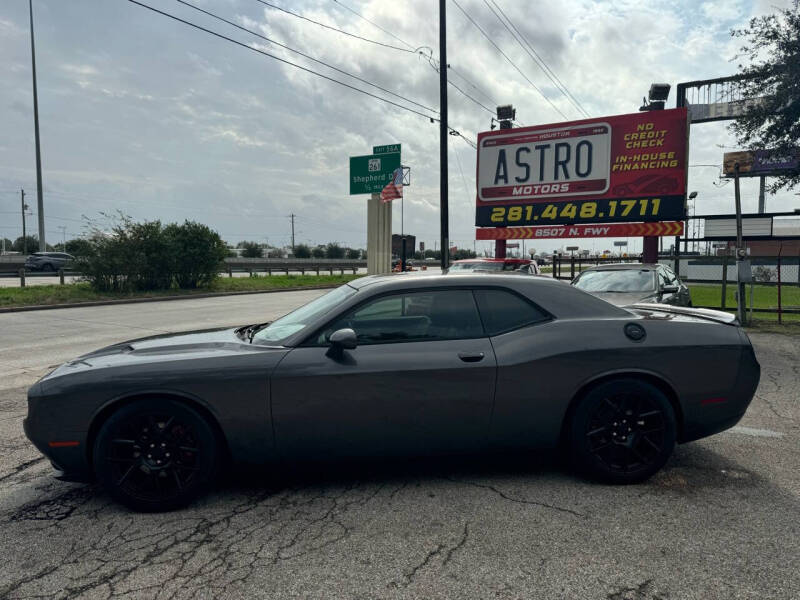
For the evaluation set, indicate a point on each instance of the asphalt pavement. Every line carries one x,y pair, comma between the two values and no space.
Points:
722,520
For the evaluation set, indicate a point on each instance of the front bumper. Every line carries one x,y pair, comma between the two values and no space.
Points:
65,449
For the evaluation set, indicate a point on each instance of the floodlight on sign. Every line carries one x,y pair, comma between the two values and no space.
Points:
506,113
659,92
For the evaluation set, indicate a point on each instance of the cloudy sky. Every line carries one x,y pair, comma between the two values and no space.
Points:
145,115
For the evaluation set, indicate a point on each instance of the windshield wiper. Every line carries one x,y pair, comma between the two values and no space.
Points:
253,329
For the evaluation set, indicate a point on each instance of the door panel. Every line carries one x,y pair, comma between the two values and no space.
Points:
384,399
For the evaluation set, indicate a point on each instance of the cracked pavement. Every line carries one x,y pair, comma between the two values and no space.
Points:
722,520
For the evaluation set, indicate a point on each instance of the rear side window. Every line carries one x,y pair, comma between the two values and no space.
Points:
502,311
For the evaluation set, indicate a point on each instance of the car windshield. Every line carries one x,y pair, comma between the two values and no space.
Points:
616,281
299,319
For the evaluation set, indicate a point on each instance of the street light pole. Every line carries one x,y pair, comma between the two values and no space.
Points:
40,199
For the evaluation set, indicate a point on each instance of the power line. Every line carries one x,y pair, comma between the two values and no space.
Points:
428,56
511,62
271,41
347,33
541,63
283,60
374,24
472,85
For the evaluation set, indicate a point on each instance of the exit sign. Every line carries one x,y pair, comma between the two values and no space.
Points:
387,149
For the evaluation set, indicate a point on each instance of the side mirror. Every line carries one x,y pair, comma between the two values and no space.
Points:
341,340
669,289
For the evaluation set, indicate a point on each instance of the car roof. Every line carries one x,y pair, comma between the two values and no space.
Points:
624,267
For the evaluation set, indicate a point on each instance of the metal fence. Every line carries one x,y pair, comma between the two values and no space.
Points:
776,278
15,267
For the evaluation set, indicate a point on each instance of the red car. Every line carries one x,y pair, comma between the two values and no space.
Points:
524,265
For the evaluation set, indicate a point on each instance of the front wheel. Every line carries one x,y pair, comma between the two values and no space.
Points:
156,455
622,431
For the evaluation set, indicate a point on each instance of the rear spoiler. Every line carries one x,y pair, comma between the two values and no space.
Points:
700,313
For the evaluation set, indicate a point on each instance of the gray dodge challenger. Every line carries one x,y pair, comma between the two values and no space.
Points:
410,364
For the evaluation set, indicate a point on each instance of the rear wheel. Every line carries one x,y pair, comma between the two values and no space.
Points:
48,267
622,431
156,455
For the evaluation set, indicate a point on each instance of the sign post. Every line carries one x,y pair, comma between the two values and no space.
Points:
369,174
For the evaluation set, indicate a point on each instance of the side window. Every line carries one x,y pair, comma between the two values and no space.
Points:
503,311
415,316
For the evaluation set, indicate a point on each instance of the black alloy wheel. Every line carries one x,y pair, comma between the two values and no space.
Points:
48,267
156,455
622,431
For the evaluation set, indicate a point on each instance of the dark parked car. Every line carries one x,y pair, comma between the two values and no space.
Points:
521,265
393,365
629,283
47,261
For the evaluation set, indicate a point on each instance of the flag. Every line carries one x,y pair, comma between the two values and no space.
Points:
393,189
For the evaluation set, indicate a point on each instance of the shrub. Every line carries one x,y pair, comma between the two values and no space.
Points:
196,252
318,252
302,251
78,247
251,250
147,256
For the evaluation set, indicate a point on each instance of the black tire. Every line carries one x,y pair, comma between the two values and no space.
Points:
48,267
156,455
622,431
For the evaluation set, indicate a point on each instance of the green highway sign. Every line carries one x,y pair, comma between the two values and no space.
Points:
369,174
387,149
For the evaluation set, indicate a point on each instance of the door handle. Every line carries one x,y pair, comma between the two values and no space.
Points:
470,356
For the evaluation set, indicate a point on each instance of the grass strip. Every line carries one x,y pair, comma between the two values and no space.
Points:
76,293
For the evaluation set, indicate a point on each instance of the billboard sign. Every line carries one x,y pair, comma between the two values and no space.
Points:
670,228
622,168
759,163
369,174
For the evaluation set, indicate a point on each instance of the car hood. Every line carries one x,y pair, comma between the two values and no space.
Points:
626,298
170,347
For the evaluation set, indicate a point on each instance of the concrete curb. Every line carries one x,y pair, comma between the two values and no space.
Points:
9,309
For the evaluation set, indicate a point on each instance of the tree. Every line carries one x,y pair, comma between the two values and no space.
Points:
31,246
302,251
275,253
251,250
334,250
353,253
7,244
772,76
318,252
461,254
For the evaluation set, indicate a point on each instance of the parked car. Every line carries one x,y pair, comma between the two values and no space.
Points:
47,261
630,283
522,265
387,366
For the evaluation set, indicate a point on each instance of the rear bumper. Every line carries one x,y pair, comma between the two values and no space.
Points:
720,414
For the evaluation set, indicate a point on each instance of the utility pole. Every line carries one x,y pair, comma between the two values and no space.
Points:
443,133
292,216
63,229
40,199
24,232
